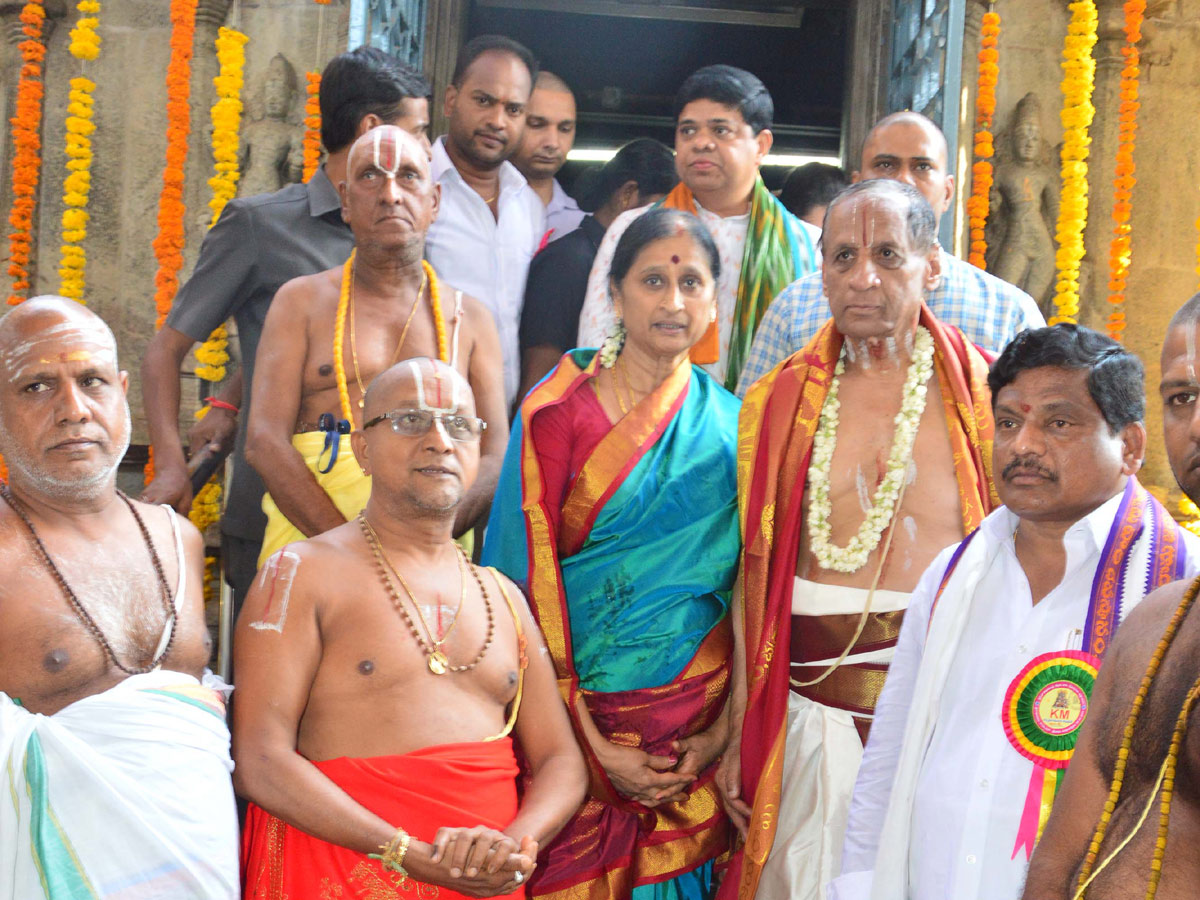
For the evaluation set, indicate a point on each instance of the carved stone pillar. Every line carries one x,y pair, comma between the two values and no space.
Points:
445,33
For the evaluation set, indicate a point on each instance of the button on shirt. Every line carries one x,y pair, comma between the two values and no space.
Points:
258,243
990,312
728,233
563,214
972,785
485,256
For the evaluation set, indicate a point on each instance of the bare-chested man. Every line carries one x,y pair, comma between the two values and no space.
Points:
116,756
324,339
380,675
1061,859
865,457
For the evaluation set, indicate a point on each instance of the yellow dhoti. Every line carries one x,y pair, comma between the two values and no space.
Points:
345,484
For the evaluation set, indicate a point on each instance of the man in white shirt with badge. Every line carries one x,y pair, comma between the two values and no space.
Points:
1006,631
490,220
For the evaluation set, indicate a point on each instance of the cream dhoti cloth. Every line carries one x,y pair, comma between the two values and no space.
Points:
345,484
822,752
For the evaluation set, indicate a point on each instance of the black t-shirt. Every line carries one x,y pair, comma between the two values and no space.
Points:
556,287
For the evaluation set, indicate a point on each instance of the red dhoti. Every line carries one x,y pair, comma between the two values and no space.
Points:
450,785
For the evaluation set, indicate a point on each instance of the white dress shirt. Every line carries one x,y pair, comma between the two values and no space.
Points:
972,785
485,256
563,214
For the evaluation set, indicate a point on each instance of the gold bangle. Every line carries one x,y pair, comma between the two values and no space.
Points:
394,852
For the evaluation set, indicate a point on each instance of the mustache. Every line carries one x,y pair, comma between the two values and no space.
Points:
1027,464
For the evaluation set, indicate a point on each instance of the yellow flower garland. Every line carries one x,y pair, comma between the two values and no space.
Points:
206,506
85,46
1120,250
985,107
1079,70
339,329
77,186
226,116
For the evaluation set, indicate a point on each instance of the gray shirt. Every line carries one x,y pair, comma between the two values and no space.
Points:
258,243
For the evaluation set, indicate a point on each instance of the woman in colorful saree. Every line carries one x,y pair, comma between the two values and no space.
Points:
617,513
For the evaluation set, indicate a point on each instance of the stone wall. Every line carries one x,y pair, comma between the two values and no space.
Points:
130,140
1165,199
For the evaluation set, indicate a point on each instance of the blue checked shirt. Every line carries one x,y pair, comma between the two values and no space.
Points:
987,310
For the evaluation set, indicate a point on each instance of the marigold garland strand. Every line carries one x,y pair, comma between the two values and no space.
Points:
1120,250
985,108
84,46
27,143
312,125
1079,70
168,245
226,116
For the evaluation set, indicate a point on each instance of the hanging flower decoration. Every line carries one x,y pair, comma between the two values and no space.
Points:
226,116
206,506
76,187
212,355
1120,250
27,142
168,245
312,124
1079,70
85,41
985,109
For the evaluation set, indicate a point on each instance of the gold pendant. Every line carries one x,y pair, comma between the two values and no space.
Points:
362,401
438,662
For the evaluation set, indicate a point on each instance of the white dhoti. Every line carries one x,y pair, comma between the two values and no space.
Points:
822,752
123,795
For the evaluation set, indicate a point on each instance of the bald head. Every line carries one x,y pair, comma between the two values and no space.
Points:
64,419
51,328
419,383
548,81
907,146
389,198
389,149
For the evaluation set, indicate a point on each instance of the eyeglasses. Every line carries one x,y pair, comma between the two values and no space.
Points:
416,422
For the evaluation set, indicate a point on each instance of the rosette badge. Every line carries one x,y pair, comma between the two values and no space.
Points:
1044,708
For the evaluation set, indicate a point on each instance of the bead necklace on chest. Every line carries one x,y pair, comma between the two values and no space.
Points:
80,610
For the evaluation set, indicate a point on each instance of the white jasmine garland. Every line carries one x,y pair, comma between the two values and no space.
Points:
854,555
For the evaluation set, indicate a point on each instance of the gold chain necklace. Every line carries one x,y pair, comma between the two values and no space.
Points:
362,391
437,661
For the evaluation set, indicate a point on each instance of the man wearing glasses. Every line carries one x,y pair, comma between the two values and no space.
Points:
328,335
384,622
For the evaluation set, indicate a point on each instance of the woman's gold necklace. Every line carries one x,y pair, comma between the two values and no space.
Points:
436,659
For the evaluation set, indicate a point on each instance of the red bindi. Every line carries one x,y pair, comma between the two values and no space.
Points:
675,259
1025,407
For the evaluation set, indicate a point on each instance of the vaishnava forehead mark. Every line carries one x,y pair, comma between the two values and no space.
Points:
438,378
387,153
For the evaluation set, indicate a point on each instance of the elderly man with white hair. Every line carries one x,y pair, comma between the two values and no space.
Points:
113,740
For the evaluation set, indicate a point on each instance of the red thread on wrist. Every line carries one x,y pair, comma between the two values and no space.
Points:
220,404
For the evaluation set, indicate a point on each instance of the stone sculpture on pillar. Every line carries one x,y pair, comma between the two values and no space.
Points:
272,152
1024,205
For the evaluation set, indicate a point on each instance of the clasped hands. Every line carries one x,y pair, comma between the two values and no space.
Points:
653,780
478,862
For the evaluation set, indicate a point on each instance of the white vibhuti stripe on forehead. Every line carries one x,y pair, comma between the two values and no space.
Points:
422,404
